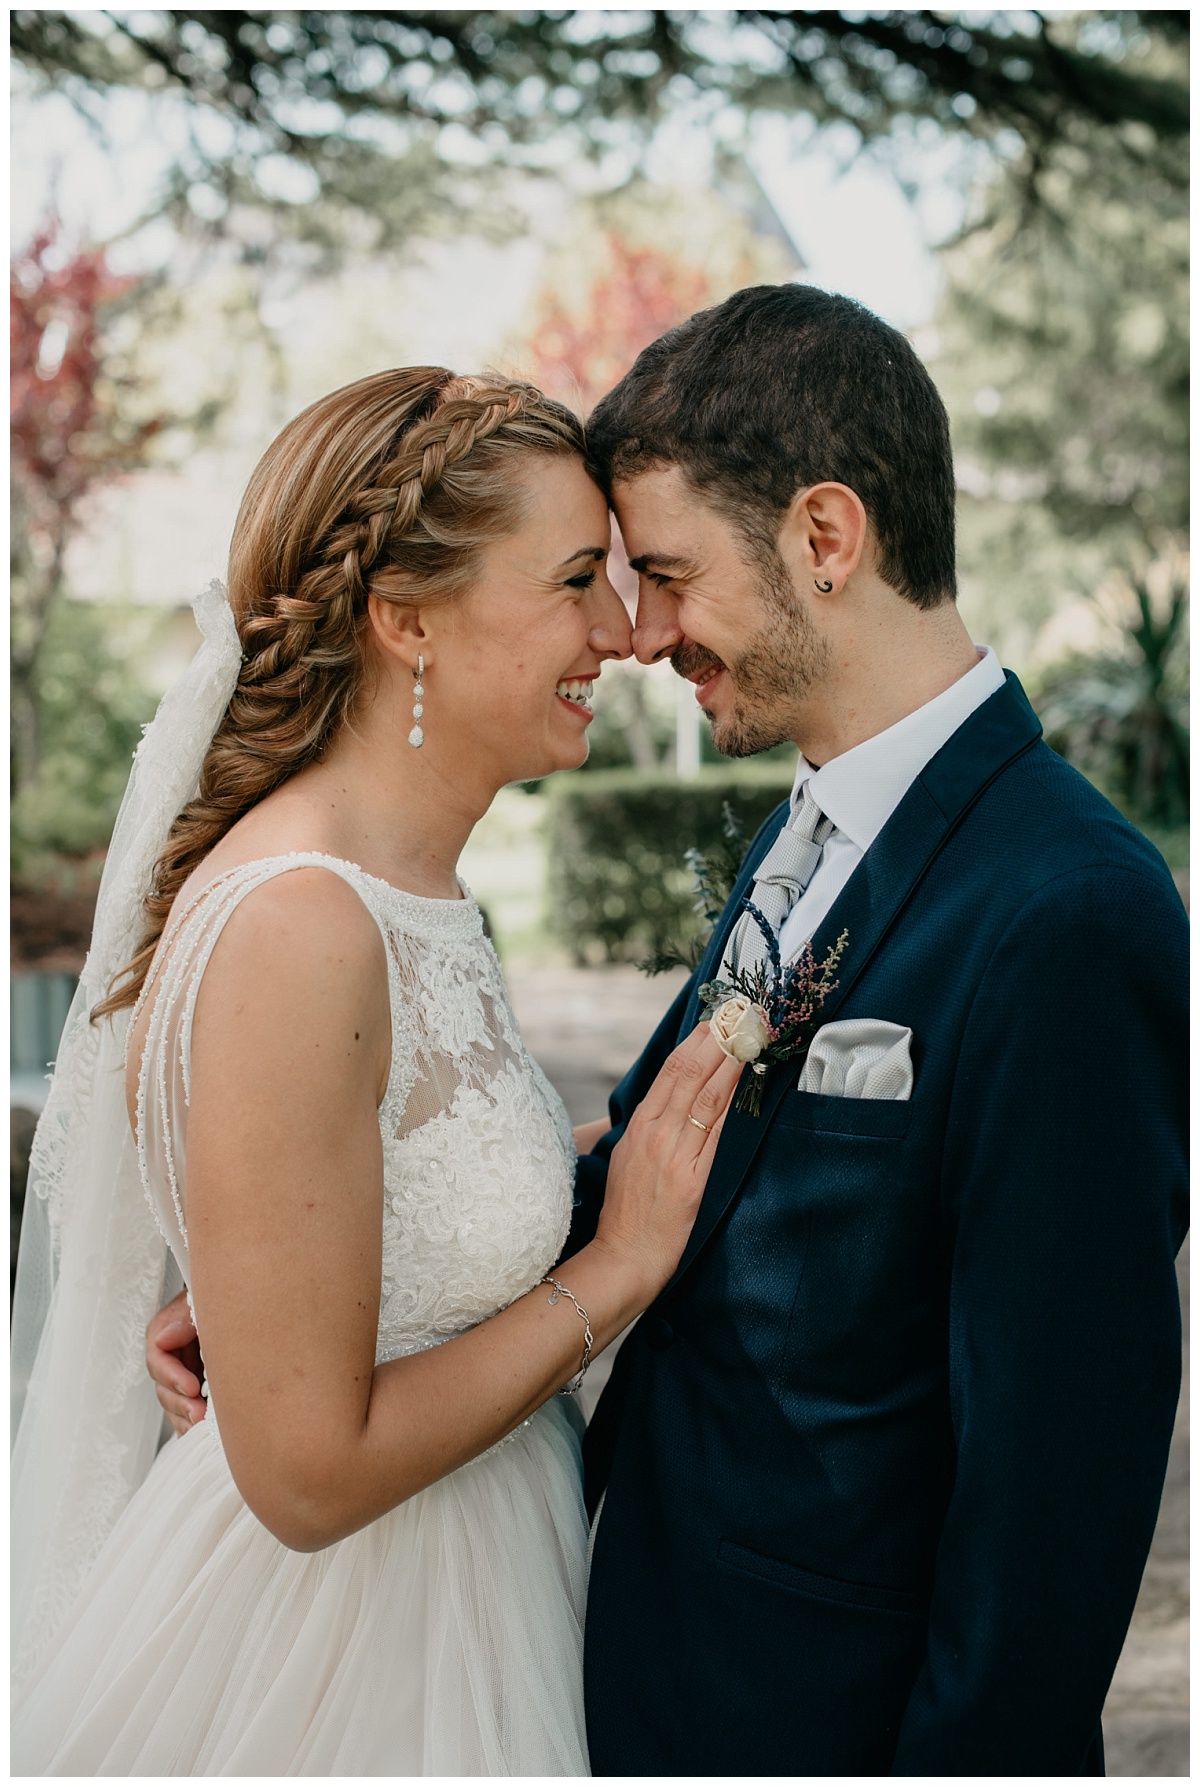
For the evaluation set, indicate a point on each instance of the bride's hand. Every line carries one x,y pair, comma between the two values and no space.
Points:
660,1166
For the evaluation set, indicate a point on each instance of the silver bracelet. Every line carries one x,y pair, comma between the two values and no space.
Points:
560,1290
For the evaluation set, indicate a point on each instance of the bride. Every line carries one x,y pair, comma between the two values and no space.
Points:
293,1037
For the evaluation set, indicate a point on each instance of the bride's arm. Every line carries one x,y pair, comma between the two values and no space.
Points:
290,1057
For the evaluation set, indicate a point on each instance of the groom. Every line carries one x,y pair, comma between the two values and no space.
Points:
880,1468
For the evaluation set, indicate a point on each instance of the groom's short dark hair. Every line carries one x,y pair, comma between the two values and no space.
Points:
785,386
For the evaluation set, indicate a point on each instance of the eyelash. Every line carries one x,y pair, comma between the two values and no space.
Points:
584,581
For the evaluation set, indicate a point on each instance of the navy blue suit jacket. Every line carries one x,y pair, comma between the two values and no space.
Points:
882,1462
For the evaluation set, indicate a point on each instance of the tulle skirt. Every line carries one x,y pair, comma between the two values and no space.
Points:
446,1638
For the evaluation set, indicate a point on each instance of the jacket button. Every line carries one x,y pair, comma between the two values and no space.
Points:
659,1333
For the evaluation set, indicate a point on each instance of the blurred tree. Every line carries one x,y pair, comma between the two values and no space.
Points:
1066,342
628,730
371,111
631,264
1120,713
74,429
1063,357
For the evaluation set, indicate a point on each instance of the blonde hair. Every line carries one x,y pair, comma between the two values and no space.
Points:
392,485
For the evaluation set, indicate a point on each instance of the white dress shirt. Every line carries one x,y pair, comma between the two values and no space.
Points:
861,789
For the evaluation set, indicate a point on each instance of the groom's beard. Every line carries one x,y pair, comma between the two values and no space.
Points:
784,658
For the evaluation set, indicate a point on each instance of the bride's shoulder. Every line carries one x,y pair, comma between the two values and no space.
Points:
304,911
298,955
269,956
279,931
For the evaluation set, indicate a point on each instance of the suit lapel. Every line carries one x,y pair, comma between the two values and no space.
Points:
869,906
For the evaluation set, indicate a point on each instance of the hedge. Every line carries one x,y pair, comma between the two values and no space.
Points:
618,885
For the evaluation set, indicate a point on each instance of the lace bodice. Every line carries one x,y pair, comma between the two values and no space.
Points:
478,1155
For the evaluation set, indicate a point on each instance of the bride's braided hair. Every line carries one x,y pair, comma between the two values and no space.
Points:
390,486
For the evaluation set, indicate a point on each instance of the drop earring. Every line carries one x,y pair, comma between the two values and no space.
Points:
416,737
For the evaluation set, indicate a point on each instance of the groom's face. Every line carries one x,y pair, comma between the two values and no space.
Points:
722,606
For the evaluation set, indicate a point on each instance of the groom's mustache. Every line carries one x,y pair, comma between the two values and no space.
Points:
689,659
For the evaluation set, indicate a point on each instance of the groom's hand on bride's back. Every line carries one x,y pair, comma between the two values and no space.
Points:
660,1166
173,1361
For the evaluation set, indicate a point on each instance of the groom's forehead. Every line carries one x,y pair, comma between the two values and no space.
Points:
661,515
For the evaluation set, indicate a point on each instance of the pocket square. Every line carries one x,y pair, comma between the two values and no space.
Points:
860,1058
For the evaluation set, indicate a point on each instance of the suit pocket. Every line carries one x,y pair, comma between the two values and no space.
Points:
867,1596
878,1119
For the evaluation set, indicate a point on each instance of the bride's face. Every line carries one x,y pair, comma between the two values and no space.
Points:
511,662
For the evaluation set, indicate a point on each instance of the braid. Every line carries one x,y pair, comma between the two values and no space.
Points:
320,527
390,508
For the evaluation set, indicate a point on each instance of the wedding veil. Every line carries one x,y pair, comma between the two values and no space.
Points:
92,1266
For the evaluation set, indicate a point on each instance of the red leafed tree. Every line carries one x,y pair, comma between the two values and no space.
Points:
642,293
71,432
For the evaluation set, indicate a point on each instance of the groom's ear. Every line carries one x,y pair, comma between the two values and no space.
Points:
823,537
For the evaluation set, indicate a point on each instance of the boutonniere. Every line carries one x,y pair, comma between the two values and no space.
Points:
772,1012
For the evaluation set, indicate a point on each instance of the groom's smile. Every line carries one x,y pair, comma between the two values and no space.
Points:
706,681
697,666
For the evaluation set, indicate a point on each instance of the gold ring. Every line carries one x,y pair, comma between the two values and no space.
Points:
697,1122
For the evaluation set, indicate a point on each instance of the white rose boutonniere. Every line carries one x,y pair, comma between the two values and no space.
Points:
741,1028
772,1012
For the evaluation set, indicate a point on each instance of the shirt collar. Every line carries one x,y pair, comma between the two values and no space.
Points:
861,789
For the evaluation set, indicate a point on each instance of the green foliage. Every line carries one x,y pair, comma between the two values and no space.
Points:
93,703
715,869
620,886
525,72
1120,715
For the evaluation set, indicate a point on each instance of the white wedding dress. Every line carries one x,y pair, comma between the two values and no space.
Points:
446,1637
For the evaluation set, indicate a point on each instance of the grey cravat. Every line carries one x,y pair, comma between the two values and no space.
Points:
780,879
